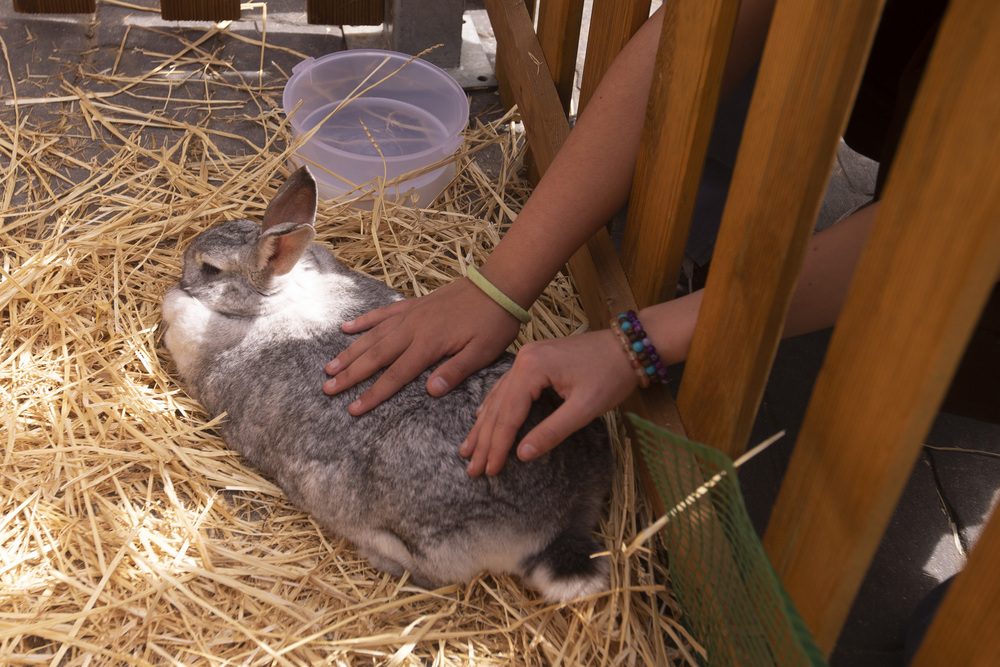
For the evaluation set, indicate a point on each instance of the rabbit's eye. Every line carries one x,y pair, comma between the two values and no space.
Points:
210,270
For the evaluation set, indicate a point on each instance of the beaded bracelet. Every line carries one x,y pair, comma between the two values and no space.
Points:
639,349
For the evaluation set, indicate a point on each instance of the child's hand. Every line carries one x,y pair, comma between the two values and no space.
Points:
589,371
409,336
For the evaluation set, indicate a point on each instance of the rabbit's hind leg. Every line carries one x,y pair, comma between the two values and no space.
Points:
386,552
566,569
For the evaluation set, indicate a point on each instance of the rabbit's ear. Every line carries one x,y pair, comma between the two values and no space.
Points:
295,201
279,248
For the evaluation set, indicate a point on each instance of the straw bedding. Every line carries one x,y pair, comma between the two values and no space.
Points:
129,534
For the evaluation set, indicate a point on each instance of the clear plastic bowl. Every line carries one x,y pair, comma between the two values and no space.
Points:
379,115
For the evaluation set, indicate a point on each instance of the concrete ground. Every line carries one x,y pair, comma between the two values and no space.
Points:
952,489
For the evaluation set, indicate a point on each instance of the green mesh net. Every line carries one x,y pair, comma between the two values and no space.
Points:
732,601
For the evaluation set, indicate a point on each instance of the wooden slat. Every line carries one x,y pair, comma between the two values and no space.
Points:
55,6
345,12
964,630
929,265
682,101
559,36
200,10
975,389
503,85
809,73
612,24
528,78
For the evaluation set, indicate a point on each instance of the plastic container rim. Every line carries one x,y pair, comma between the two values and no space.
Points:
450,144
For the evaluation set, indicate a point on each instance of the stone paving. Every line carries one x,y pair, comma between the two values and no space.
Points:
951,491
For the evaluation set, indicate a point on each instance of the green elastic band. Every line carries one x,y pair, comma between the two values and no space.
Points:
491,291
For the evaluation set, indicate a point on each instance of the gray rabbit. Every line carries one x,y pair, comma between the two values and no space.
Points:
254,319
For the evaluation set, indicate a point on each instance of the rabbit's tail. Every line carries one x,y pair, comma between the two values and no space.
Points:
567,568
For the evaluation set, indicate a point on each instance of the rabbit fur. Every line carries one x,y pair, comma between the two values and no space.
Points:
250,326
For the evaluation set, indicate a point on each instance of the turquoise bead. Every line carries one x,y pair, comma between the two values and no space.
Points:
638,347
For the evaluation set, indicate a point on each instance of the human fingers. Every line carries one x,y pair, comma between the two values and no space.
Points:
440,323
470,447
376,323
592,376
586,370
563,422
471,339
471,450
475,448
507,406
376,316
409,364
497,423
373,351
478,352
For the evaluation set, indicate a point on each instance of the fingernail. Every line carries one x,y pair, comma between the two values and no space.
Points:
355,406
463,449
329,385
526,452
438,386
332,367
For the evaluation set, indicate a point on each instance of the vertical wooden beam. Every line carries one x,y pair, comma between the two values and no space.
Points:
682,102
55,6
964,630
975,389
500,69
809,74
559,36
199,10
528,78
612,24
345,12
929,265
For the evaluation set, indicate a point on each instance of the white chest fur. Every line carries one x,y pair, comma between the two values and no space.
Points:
299,304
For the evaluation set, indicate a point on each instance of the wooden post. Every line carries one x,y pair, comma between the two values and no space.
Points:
612,24
199,10
559,37
929,265
528,78
810,71
55,6
964,629
682,102
345,12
